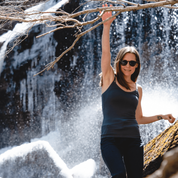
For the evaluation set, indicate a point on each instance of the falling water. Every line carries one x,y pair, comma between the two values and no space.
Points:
73,129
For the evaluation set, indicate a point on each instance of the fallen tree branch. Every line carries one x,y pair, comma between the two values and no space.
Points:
72,16
65,20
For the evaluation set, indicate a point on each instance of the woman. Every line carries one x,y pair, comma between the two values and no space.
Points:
121,103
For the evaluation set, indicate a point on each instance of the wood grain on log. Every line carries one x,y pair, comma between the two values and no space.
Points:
156,148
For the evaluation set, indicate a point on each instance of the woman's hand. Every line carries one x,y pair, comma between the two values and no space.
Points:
168,117
106,15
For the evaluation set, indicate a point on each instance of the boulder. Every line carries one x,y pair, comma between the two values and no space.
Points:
37,159
158,147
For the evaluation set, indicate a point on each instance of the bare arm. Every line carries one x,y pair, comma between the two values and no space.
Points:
146,120
107,71
106,55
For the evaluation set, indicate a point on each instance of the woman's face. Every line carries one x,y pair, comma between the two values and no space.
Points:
128,64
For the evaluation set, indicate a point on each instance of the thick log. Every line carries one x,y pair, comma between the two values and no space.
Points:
156,149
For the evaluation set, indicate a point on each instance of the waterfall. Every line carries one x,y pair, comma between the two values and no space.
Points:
36,93
63,105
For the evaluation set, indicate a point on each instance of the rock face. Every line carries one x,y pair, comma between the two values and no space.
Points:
20,116
156,149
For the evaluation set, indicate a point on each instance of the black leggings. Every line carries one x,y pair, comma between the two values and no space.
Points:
123,156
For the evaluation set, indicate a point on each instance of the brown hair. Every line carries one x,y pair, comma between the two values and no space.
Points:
117,66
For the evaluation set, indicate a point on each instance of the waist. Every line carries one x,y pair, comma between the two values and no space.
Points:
120,127
119,121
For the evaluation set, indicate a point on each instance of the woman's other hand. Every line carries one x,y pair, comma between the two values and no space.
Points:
106,15
168,117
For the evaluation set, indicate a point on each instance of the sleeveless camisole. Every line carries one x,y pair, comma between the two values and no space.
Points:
118,108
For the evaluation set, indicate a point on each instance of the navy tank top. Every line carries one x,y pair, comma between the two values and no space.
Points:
119,108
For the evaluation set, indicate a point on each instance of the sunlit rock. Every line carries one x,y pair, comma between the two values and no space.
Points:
156,149
37,159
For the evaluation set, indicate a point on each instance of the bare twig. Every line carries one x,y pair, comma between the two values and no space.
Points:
51,65
59,28
128,8
66,20
171,7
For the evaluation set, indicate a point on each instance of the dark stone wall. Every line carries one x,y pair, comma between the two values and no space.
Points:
14,121
16,124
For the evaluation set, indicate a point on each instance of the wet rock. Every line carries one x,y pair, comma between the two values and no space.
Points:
6,26
37,159
1,43
17,123
157,148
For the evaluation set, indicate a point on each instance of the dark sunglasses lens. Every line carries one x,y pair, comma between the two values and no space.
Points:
124,62
132,63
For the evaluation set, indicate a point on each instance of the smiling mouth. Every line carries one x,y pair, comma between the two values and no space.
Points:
127,70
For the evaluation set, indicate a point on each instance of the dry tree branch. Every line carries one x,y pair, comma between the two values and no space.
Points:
51,65
72,16
154,0
171,7
114,2
166,6
128,8
66,20
78,37
19,40
54,62
127,2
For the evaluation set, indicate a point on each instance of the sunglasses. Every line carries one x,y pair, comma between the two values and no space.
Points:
131,63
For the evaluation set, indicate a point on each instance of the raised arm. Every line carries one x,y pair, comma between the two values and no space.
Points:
107,71
146,120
